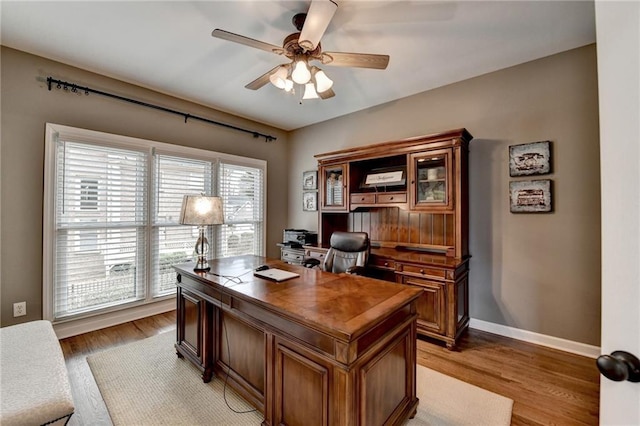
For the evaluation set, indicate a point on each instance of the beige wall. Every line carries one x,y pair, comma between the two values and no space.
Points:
27,105
536,272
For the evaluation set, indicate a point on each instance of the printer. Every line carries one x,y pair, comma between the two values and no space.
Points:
296,238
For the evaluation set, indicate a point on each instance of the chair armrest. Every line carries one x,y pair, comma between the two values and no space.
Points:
357,270
310,263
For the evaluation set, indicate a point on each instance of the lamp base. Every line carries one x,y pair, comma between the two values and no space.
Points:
201,265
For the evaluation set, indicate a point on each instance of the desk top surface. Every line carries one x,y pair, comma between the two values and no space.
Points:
340,304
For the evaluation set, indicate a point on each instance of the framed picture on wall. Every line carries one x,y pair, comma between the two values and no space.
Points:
530,196
530,159
310,180
310,201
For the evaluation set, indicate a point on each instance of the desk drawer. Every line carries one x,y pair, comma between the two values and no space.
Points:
392,198
363,198
382,263
292,256
422,271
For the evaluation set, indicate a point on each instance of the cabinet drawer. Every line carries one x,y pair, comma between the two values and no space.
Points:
422,271
315,254
363,198
392,198
382,263
292,256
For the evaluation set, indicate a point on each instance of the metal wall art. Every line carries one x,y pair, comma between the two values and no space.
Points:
530,159
530,196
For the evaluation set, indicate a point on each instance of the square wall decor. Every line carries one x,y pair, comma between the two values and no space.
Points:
530,159
530,196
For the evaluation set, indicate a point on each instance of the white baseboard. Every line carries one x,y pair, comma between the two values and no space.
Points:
536,338
85,325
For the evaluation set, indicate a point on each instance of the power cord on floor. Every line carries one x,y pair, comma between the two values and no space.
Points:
226,379
235,279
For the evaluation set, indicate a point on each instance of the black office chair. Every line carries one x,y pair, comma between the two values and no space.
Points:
348,252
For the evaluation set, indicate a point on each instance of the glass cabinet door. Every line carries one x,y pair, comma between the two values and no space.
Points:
431,180
333,187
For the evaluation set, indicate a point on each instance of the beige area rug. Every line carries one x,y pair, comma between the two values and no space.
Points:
145,383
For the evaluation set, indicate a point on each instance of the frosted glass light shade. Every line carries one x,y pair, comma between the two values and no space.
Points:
310,92
301,73
323,83
288,85
279,77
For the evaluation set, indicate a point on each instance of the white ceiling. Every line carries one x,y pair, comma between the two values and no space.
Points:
167,46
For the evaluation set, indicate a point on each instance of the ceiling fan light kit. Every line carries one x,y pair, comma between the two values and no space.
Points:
279,78
323,83
303,47
301,73
310,92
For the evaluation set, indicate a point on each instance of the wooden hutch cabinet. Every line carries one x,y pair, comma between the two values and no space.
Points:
411,197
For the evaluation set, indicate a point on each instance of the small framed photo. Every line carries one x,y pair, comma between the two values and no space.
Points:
530,196
530,159
309,180
310,201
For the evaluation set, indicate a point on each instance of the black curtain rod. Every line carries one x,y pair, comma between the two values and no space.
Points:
77,89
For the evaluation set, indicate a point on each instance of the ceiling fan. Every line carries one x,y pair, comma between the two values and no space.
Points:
303,47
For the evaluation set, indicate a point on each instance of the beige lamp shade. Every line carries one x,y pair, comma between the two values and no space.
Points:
201,210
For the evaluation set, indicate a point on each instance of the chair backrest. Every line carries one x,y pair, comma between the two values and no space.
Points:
347,249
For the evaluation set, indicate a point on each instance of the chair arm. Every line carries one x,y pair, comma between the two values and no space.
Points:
310,263
357,270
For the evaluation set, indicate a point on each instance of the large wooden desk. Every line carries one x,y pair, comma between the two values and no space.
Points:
321,349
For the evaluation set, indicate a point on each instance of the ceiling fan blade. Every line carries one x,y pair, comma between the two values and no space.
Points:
236,38
315,24
262,80
359,60
329,93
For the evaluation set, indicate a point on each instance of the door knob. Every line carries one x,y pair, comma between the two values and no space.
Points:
619,366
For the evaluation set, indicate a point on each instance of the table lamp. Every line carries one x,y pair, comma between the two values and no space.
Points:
201,210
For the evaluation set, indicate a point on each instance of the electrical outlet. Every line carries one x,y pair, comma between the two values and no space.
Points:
19,309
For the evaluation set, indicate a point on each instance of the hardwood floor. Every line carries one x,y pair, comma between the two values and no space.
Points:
90,409
549,387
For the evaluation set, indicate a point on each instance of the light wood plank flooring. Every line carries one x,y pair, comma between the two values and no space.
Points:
549,387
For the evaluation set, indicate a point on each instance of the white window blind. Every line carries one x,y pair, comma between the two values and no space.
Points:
174,243
241,189
100,225
111,217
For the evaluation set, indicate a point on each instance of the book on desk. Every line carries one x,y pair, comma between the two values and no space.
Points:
275,274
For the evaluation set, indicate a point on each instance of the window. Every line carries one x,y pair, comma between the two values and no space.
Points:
89,194
112,206
241,190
